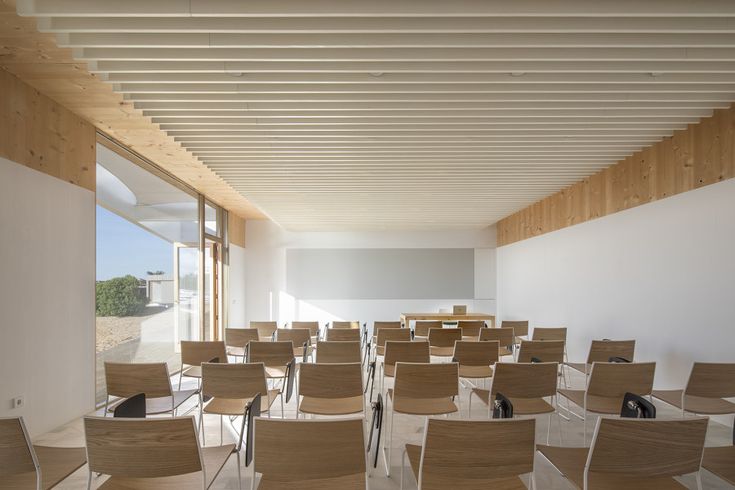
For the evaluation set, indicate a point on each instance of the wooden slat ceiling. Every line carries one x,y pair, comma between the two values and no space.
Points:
338,114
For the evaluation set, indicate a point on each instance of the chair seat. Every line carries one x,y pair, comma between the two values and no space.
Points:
504,351
521,406
299,351
192,372
275,371
214,458
236,406
347,482
332,406
695,404
380,350
441,351
570,462
475,371
595,404
580,366
236,351
155,406
422,406
721,462
56,463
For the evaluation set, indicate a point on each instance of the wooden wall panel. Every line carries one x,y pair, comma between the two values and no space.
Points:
700,155
236,230
41,134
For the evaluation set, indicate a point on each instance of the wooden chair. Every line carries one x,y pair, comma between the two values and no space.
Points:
503,335
152,379
377,326
708,386
550,333
441,341
236,340
195,352
152,453
346,325
231,389
721,461
421,389
24,465
471,328
266,330
342,335
299,337
602,351
330,389
313,327
280,364
633,454
338,352
607,385
543,350
398,351
421,328
390,335
473,454
476,359
520,327
309,454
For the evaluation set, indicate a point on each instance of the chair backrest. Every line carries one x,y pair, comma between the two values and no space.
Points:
474,353
397,351
603,350
265,329
330,380
342,324
297,336
471,328
712,380
195,352
379,325
645,448
421,328
391,334
234,381
127,379
463,454
444,337
239,337
550,333
16,450
520,327
504,335
272,354
316,449
142,448
338,352
544,350
425,380
615,379
312,326
524,380
343,335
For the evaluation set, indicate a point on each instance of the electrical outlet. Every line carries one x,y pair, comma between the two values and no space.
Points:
19,402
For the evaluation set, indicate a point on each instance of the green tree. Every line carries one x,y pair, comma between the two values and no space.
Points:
119,296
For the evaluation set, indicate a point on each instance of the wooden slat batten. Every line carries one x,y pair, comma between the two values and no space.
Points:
700,155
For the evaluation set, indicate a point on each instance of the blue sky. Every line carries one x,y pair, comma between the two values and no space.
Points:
124,248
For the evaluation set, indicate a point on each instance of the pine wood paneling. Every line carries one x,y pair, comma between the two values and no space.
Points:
700,155
236,230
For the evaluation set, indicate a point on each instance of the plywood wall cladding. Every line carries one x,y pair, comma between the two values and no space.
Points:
702,154
39,133
36,59
236,230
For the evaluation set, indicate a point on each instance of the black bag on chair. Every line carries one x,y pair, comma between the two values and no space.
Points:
502,407
132,408
637,407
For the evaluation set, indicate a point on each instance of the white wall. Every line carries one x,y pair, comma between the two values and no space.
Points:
236,292
47,329
662,273
266,296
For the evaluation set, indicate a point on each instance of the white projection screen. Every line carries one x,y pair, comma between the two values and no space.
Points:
380,273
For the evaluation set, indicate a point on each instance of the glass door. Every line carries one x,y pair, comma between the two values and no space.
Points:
186,296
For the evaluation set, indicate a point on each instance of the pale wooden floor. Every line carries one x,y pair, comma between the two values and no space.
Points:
408,429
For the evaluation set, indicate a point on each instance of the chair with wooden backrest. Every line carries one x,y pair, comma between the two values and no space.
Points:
721,460
299,337
708,386
152,453
441,341
421,389
473,454
607,385
505,337
338,352
525,385
231,388
541,351
236,341
330,389
549,333
310,454
342,335
380,325
602,351
266,330
421,328
400,351
24,465
471,328
152,379
195,352
390,335
476,359
313,327
280,364
633,454
346,325
520,327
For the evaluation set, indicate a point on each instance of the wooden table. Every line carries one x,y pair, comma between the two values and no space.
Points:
446,317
